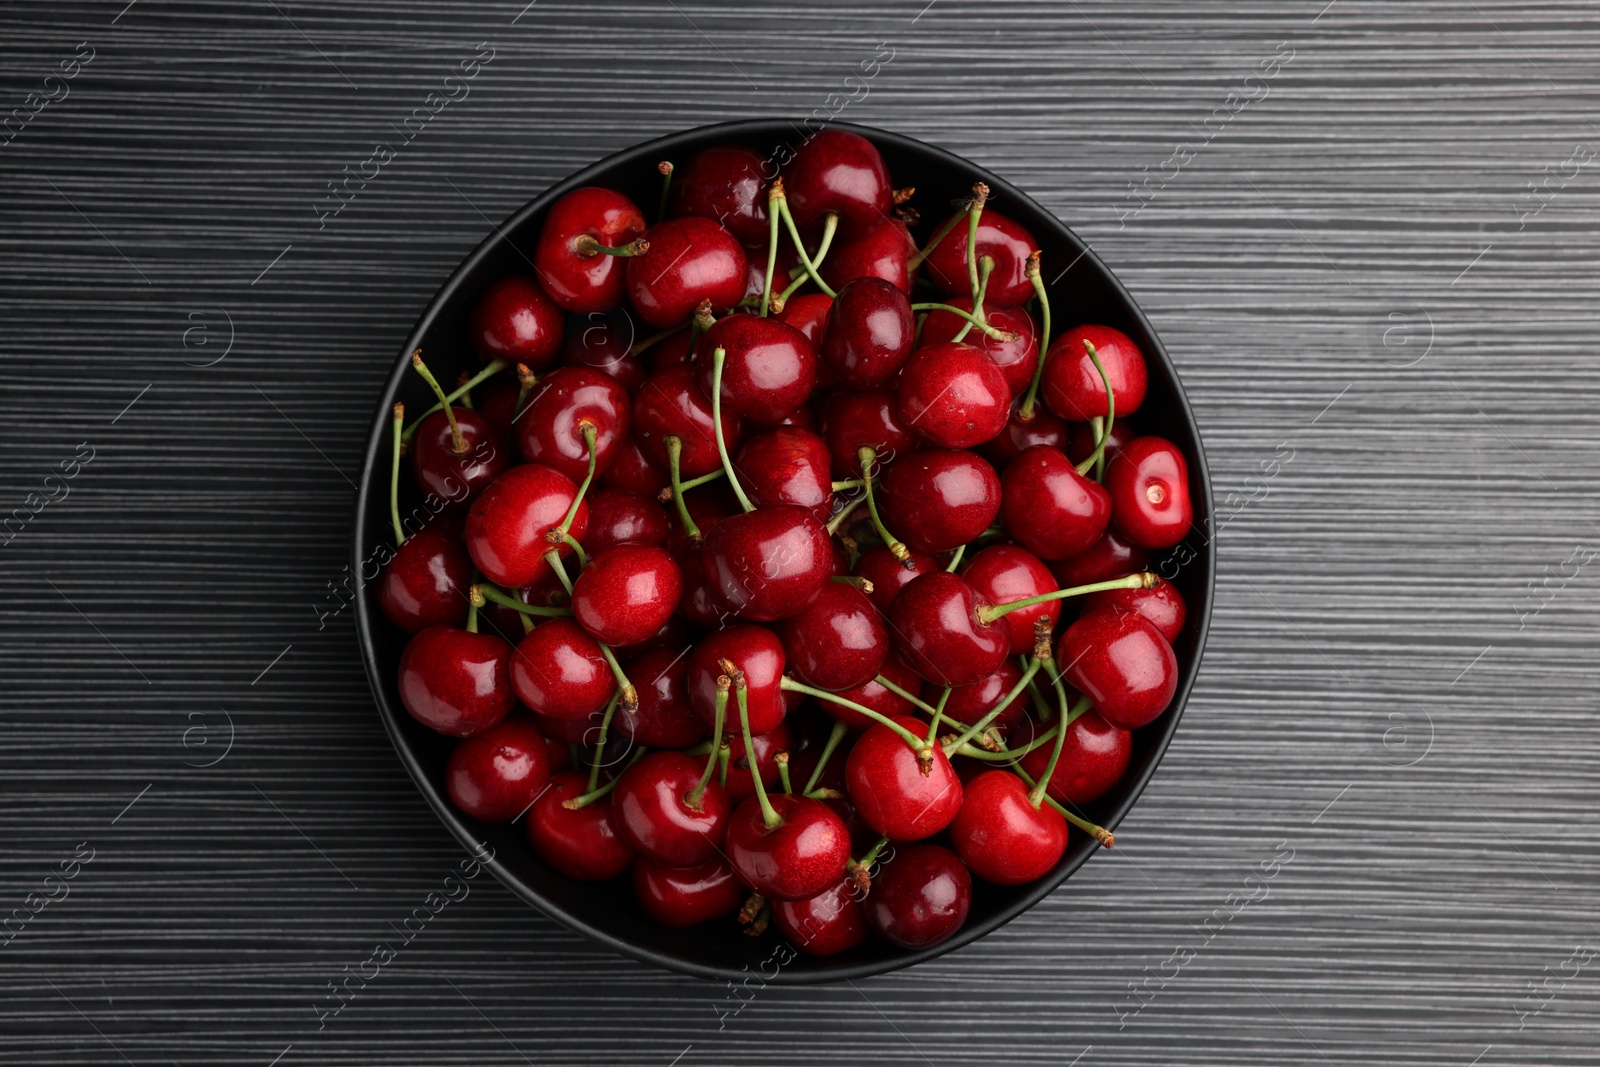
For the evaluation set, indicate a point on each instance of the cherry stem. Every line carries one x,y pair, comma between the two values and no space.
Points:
1009,753
922,254
587,246
394,477
955,559
639,346
458,444
1034,663
600,742
844,514
800,250
834,737
629,695
495,367
483,593
830,226
848,483
782,760
988,331
586,428
1099,833
674,458
574,803
903,695
472,618
553,557
666,494
1025,411
938,719
1142,580
1097,459
980,194
798,276
876,716
718,358
869,461
1036,797
774,220
986,268
702,321
664,168
860,871
525,384
712,756
768,816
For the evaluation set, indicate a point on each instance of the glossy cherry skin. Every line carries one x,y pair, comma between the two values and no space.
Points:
515,321
883,250
787,465
1094,758
921,896
454,681
626,594
953,396
496,775
851,421
769,563
826,924
599,341
634,469
664,717
1020,433
676,897
939,499
757,652
839,172
506,527
1017,358
768,368
1071,386
935,626
873,694
808,313
891,792
1007,573
1109,557
576,280
652,812
456,477
559,671
1002,240
1121,663
741,781
724,183
582,844
1162,604
426,582
620,517
969,703
799,858
670,403
869,333
1149,485
690,259
550,429
1081,439
1048,507
888,575
839,641
1001,836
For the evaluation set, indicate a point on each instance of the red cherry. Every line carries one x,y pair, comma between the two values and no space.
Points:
1122,664
852,421
496,775
1109,557
670,404
888,575
626,594
826,924
1148,481
801,856
1017,358
1048,507
839,641
1002,240
451,475
1081,438
755,272
953,395
839,172
426,581
676,897
559,671
651,809
1071,386
807,313
635,470
787,465
890,790
920,897
675,636
883,250
757,652
1020,433
936,627
768,370
618,517
1003,574
583,843
725,183
869,333
455,681
598,341
700,603
664,717
1094,757
564,732
769,563
550,429
741,780
969,703
939,500
1162,604
576,276
1001,836
506,527
690,259
516,322
877,696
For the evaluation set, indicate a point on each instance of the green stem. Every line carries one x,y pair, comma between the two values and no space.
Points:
495,366
693,799
1034,663
587,246
394,478
1097,459
586,428
922,254
472,618
1028,400
876,716
800,250
782,759
1036,797
694,483
837,735
665,170
630,695
718,358
1099,833
458,444
844,515
674,460
903,695
600,742
1142,580
485,592
985,268
768,816
1006,754
553,557
773,222
525,383
577,550
938,719
869,461
955,559
980,194
574,803
988,331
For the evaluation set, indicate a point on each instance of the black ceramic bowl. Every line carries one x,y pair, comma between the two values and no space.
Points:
1081,290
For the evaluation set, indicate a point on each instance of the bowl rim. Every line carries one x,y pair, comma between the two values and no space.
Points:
648,152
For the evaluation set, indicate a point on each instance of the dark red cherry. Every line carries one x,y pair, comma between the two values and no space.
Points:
934,623
600,341
877,696
506,527
808,313
741,780
1001,836
451,475
826,924
496,775
882,250
1007,573
651,809
921,896
1002,240
755,272
426,582
888,575
969,703
851,421
550,429
757,652
626,594
583,843
558,670
1017,358
1162,604
1071,386
664,717
676,897
841,173
676,636
515,321
564,732
798,858
768,370
497,402
1048,507
769,563
455,681
1020,433
700,603
671,351
869,333
574,274
787,465
939,499
890,790
1121,663
953,395
1149,485
690,259
1081,438
724,183
670,404
839,641
1094,758
1109,557
634,469
618,517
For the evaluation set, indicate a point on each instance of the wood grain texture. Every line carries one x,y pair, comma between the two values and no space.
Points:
1371,697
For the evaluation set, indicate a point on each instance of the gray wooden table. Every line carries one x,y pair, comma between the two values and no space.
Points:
1366,234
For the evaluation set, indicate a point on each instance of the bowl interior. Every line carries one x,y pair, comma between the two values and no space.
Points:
1081,290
